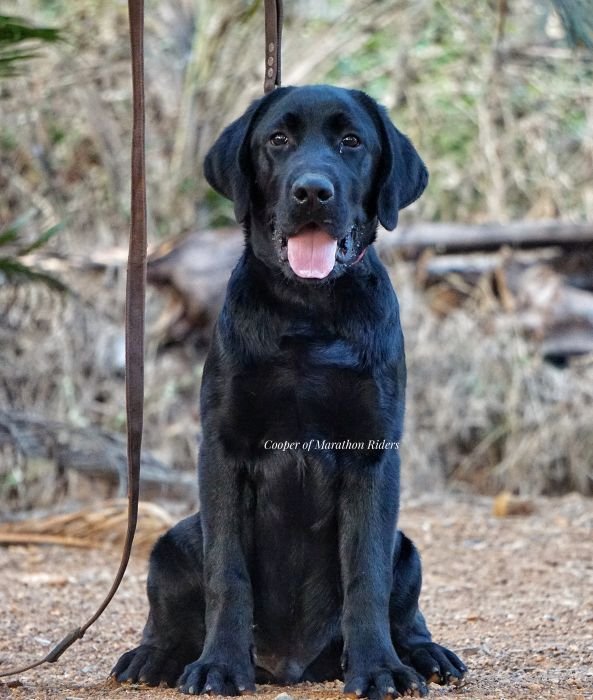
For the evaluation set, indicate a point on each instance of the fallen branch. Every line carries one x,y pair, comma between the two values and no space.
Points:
472,266
89,528
28,538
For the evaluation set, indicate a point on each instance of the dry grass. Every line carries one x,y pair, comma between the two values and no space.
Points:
485,409
502,114
62,358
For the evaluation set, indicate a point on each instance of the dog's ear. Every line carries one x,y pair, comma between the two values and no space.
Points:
223,166
227,165
402,175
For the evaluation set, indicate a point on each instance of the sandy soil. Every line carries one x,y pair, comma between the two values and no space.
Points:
513,596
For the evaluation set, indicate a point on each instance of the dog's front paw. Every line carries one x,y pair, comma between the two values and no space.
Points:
436,663
383,679
147,664
213,678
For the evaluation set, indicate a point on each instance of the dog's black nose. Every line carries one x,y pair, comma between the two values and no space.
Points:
312,189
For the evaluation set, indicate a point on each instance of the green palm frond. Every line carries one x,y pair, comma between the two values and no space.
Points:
10,235
20,41
14,270
42,240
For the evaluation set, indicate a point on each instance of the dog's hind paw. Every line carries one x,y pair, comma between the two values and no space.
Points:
436,663
149,665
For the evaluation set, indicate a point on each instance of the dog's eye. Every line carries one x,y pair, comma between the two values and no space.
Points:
278,139
350,141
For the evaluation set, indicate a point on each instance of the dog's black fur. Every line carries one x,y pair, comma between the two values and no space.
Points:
294,569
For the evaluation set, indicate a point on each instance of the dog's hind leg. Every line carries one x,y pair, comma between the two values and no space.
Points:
174,632
409,632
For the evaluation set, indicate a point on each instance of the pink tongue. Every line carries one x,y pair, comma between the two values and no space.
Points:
312,253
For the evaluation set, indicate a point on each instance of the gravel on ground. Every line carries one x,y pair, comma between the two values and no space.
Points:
513,596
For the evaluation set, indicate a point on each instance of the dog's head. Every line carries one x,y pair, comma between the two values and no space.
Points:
310,171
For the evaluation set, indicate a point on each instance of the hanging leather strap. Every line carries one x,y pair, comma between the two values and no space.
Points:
136,292
274,17
135,302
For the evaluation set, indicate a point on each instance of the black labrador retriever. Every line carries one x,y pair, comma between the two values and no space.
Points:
294,568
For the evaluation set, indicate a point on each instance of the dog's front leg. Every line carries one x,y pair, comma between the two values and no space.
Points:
225,666
367,521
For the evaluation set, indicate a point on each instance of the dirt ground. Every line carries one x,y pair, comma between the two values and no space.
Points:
512,596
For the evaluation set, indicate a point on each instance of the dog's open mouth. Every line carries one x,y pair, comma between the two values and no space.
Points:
311,252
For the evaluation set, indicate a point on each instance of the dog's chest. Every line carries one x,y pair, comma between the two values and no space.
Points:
296,567
309,391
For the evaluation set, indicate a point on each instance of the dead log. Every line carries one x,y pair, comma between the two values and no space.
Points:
194,270
555,313
550,310
543,291
563,341
576,268
90,452
470,267
411,241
